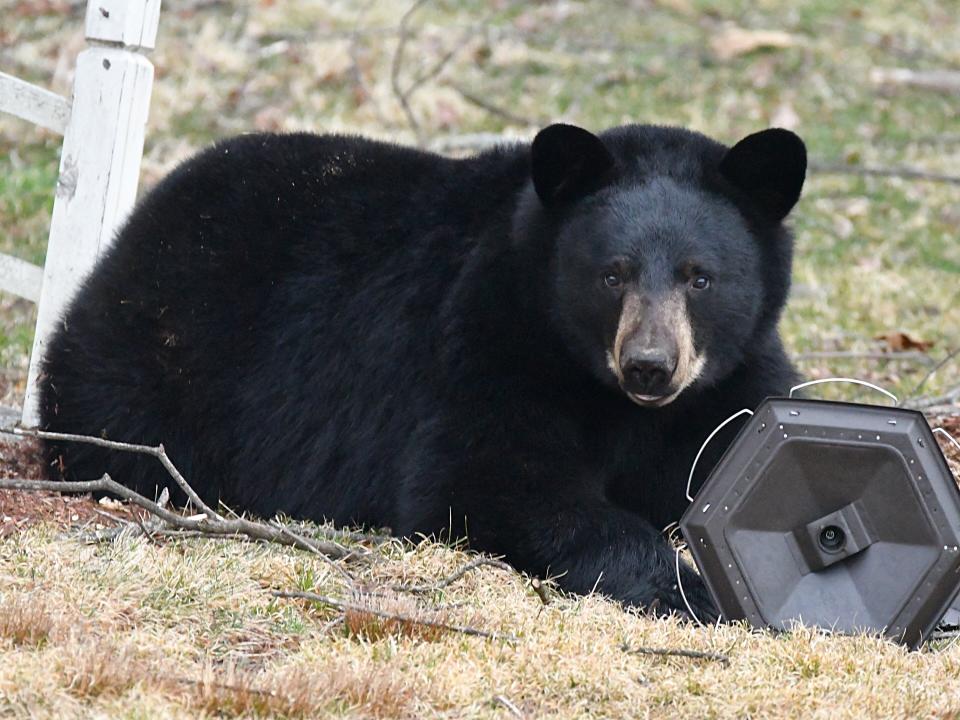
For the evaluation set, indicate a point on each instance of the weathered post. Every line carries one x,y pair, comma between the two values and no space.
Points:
100,161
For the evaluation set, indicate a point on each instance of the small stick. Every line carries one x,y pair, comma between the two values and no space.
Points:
676,652
156,451
213,523
541,589
450,579
327,550
147,534
919,386
112,517
950,397
511,708
344,606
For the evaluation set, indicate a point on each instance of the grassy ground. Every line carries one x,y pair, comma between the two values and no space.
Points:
131,629
134,629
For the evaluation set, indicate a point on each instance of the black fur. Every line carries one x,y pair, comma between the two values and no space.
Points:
343,329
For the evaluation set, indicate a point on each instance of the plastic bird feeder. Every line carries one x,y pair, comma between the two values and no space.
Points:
839,515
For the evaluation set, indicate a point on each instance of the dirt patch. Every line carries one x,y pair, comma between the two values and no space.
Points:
22,458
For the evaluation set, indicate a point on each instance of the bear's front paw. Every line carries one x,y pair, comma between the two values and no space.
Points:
694,603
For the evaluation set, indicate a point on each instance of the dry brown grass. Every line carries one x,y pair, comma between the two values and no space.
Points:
24,620
92,665
190,628
410,619
341,689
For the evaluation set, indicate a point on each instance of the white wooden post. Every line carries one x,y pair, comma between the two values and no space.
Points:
100,161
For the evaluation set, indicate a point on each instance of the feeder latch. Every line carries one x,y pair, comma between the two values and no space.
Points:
834,537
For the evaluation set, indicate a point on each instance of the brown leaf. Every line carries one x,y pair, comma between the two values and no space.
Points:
734,41
900,342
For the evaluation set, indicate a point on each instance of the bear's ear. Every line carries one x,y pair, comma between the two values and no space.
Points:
568,162
770,167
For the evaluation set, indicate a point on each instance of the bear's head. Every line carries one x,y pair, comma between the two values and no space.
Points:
669,259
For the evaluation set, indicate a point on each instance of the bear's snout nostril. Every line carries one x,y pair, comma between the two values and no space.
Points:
648,373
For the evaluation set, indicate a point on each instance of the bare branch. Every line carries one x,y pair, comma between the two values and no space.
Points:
951,397
356,71
493,109
907,173
353,607
213,523
397,63
908,356
327,550
201,523
442,63
919,386
675,652
450,579
156,451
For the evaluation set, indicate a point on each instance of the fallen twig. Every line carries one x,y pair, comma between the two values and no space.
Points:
156,529
452,578
348,606
541,589
329,551
156,451
211,523
146,532
506,702
675,652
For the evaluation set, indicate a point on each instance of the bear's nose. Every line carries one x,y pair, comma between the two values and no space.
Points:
648,372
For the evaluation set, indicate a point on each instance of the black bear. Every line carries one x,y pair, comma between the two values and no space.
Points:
525,348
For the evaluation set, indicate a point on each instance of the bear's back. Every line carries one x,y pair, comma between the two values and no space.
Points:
272,279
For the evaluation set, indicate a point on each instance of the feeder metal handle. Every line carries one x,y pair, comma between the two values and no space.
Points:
676,554
948,436
854,381
706,442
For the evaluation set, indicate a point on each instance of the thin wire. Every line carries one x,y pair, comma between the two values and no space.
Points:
948,436
676,554
879,389
703,447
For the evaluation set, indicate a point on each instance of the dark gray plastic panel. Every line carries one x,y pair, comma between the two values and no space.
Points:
838,515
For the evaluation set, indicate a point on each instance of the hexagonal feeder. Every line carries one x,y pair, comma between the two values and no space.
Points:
838,515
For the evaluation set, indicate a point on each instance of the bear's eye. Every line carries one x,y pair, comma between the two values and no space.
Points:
700,282
611,280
